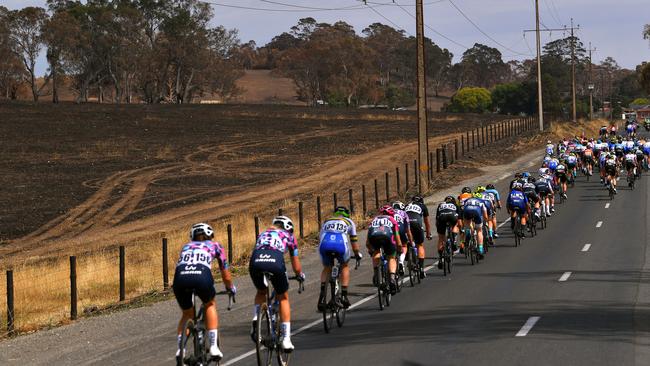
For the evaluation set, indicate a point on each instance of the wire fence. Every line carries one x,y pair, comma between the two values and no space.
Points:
48,293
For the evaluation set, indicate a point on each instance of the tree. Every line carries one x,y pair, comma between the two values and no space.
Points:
644,76
483,66
646,31
641,101
27,42
475,100
512,98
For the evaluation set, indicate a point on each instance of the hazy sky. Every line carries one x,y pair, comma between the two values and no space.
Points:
613,27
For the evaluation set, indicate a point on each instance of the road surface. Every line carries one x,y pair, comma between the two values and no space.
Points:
577,294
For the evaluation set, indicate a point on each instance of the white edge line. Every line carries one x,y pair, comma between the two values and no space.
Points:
530,323
607,205
565,277
503,223
586,247
318,321
599,224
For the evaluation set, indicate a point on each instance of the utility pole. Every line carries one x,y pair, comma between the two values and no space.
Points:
591,85
540,106
423,140
573,73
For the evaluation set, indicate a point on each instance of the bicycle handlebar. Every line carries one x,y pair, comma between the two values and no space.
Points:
231,298
301,283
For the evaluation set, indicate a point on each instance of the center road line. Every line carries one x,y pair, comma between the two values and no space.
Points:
530,323
565,277
586,247
607,205
599,224
319,320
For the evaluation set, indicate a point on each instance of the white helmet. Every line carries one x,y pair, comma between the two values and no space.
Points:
283,222
201,229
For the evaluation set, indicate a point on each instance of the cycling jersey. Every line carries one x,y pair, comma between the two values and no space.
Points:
543,187
446,215
517,201
549,149
417,212
335,236
463,197
473,210
530,191
382,233
571,161
403,223
495,193
278,240
193,274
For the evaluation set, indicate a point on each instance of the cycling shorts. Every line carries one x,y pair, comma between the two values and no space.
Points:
271,261
195,279
384,242
402,233
474,214
532,196
571,166
444,220
561,177
334,245
629,165
418,232
610,170
518,206
646,150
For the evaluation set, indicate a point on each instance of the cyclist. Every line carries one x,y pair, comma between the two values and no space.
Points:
611,169
490,206
561,175
268,256
193,275
336,235
406,237
612,131
530,190
465,193
446,216
544,188
603,131
640,158
550,147
588,159
418,214
383,233
571,164
473,214
517,205
630,163
491,190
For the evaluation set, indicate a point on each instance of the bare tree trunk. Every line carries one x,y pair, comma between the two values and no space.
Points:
188,87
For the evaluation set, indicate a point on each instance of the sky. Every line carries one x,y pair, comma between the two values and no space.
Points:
613,27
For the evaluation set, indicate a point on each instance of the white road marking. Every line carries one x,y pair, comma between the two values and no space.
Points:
503,223
565,277
530,323
318,321
599,224
607,205
504,176
586,247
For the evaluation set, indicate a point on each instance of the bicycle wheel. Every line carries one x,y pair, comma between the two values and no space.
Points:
328,313
472,250
189,346
282,355
264,340
381,287
340,311
416,262
411,266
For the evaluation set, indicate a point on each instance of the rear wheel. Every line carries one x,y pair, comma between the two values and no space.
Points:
282,356
264,340
411,266
328,313
340,311
189,346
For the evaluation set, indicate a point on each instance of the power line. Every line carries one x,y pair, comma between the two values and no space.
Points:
557,13
557,20
388,20
351,7
433,30
295,8
484,33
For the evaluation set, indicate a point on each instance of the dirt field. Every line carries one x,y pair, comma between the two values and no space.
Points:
95,174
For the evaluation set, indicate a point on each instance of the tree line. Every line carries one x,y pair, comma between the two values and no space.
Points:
166,51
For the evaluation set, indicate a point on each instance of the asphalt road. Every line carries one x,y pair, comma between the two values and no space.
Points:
599,314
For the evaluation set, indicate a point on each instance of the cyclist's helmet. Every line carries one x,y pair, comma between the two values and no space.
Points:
399,205
284,223
525,175
549,142
517,186
490,186
466,190
478,195
342,211
531,179
480,189
417,198
387,210
201,229
517,175
450,199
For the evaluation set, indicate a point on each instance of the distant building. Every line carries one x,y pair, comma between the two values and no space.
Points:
642,111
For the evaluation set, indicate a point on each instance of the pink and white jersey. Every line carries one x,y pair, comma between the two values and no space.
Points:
203,253
277,239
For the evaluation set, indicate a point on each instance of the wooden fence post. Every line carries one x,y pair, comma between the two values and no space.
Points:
376,195
165,264
230,246
456,149
397,180
10,302
351,199
438,160
257,227
406,176
318,212
301,219
364,203
73,287
444,157
122,273
335,201
386,177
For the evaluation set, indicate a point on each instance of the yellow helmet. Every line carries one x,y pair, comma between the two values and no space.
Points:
480,189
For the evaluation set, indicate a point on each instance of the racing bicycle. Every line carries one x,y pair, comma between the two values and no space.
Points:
267,330
334,307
